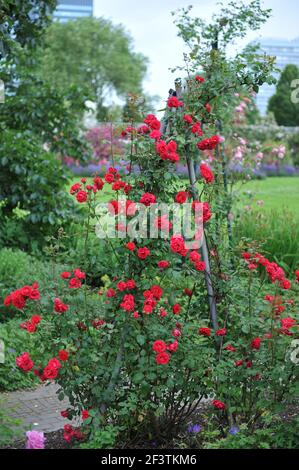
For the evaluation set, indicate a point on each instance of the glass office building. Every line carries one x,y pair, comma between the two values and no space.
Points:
286,52
72,9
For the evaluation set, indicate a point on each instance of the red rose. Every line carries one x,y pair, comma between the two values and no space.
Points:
204,331
121,286
172,347
221,332
206,173
143,253
157,292
109,178
75,283
173,102
194,256
81,196
147,199
85,414
64,413
79,274
130,246
229,347
63,355
163,264
110,292
238,363
287,322
188,292
176,333
159,346
128,303
65,274
75,188
162,358
188,118
181,197
176,309
59,306
218,404
98,183
24,362
152,122
177,244
256,343
200,79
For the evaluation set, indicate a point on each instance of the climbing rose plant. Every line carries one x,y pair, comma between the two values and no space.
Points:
141,353
144,351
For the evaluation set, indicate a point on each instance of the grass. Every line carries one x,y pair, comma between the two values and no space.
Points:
281,193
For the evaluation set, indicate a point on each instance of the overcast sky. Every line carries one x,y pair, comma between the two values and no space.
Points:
150,24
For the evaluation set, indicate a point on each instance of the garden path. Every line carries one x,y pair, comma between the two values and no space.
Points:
38,409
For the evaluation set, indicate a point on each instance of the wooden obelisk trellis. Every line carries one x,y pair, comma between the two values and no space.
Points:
204,249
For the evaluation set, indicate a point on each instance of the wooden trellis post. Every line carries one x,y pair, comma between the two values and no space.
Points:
204,249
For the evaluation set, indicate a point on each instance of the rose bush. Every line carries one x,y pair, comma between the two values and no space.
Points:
174,323
142,353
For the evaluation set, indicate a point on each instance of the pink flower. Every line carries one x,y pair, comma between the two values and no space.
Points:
35,440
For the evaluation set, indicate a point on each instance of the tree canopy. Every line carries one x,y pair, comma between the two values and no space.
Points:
95,54
282,104
23,22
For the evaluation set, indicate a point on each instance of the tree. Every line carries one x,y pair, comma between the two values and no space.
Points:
285,110
22,23
95,53
32,104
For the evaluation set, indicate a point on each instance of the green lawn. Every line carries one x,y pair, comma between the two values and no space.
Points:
275,192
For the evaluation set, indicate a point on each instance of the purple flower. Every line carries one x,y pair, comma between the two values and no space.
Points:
234,430
194,428
35,440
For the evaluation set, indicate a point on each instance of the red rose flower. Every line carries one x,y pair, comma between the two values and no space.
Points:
130,246
206,173
147,199
204,331
24,362
75,283
59,306
176,309
256,343
162,358
110,292
181,197
81,196
143,253
163,264
218,404
65,274
159,346
85,414
221,332
173,102
63,355
188,118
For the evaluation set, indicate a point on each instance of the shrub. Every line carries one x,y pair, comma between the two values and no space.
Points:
276,232
15,339
32,180
19,268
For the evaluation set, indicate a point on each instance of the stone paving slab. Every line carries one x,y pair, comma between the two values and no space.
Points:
38,409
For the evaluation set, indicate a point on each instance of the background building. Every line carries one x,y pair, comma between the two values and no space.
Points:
72,9
286,52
